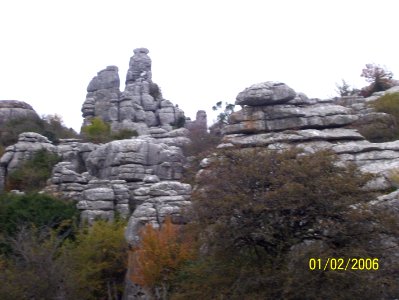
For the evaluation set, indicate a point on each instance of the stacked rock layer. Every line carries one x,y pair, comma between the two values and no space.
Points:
275,117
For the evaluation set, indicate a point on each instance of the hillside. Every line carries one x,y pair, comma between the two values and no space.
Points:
294,181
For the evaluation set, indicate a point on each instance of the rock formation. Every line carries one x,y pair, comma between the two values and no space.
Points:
199,124
14,110
139,107
275,117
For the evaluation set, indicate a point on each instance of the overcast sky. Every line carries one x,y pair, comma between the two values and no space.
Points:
202,51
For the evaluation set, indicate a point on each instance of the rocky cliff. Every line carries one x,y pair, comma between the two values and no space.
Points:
274,116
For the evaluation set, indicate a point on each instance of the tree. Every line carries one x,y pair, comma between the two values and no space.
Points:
226,111
261,215
380,79
50,126
35,269
33,210
344,89
161,254
98,259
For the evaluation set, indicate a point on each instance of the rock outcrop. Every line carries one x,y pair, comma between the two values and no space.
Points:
275,117
28,144
200,124
102,96
14,110
139,107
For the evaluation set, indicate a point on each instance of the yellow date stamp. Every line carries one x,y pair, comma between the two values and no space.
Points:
343,264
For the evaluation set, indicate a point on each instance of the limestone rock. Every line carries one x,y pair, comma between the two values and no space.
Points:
139,107
265,93
105,79
166,198
282,117
102,97
139,66
15,110
199,124
131,160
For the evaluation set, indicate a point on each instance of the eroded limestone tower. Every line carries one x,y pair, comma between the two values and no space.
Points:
139,107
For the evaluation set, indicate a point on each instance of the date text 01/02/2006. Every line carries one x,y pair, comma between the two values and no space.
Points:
344,264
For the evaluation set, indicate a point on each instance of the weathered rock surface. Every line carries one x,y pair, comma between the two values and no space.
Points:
265,93
132,160
312,125
14,110
256,119
139,107
200,124
165,198
102,95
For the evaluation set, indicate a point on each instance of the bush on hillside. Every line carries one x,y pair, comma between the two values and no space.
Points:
259,216
99,131
159,257
33,210
46,265
50,126
32,174
98,260
383,130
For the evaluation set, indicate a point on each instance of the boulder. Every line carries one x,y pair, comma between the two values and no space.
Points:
265,93
16,110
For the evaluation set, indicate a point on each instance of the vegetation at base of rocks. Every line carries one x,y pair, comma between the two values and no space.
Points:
33,173
33,210
389,104
160,256
50,126
180,122
202,144
35,269
99,131
379,77
98,260
259,216
47,263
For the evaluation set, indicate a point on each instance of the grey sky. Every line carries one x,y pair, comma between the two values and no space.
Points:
202,51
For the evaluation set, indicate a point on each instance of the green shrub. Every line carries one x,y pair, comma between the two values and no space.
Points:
389,104
33,173
180,122
38,210
98,131
98,260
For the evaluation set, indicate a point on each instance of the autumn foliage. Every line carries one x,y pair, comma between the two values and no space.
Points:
160,255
